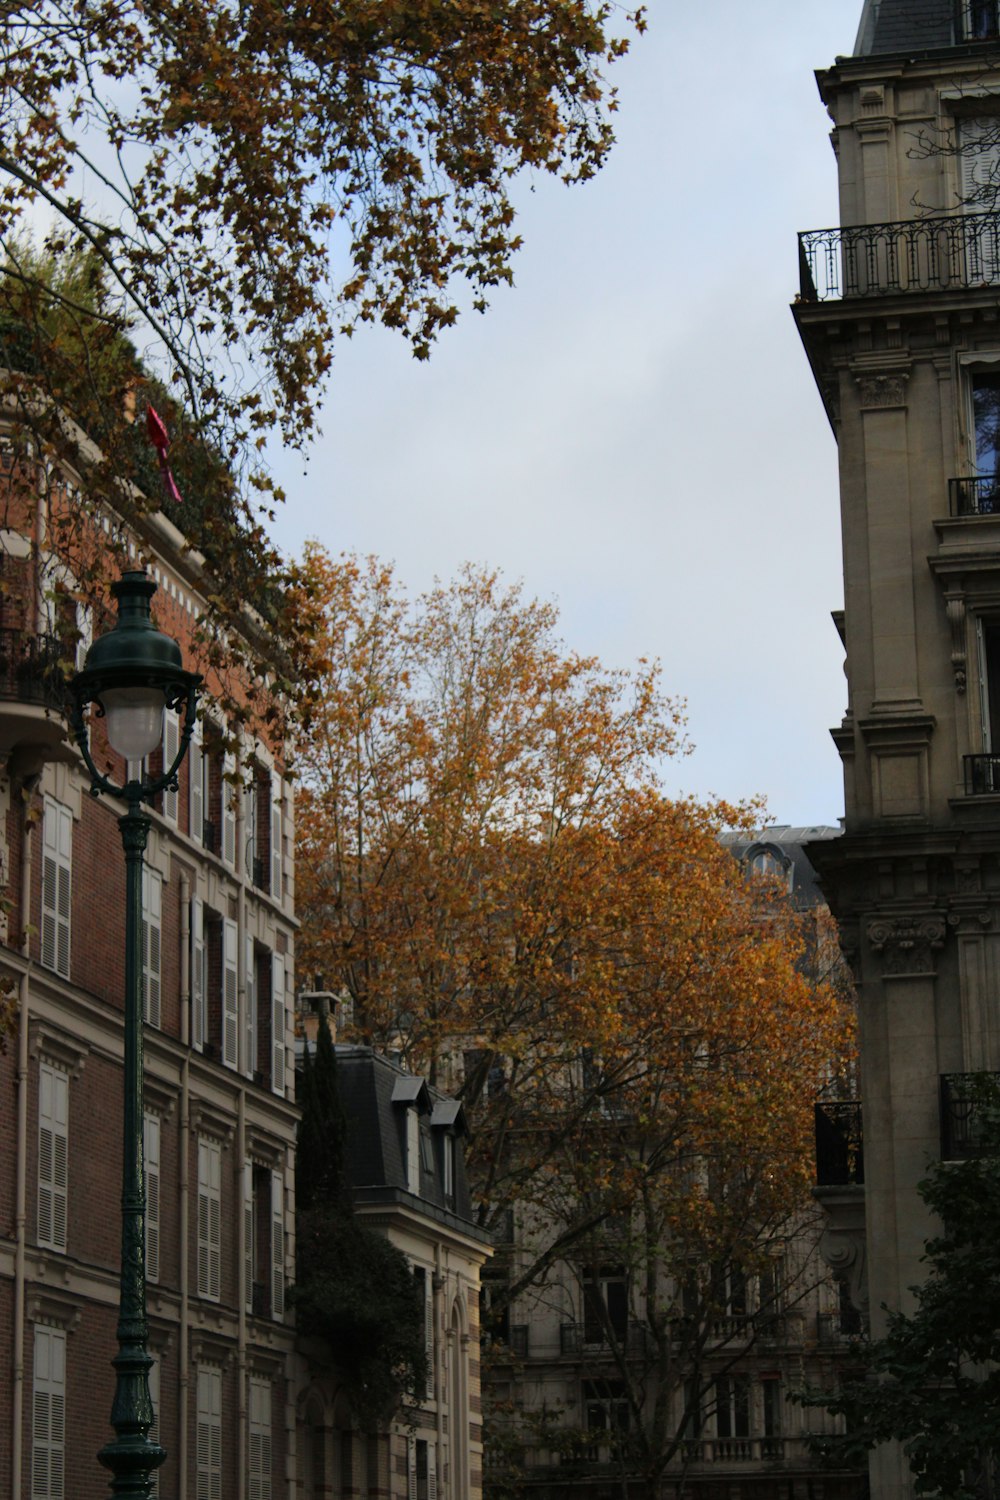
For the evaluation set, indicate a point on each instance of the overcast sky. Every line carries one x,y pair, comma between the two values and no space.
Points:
633,430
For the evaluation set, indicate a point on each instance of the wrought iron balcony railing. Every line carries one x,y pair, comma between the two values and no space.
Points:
937,254
840,1160
975,496
961,1120
982,774
30,670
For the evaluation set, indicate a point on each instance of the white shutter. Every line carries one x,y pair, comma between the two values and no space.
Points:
277,1245
228,810
151,1158
57,850
199,973
276,825
250,1018
196,784
48,1415
85,625
432,1483
209,1220
259,1468
979,156
278,1023
171,744
248,1235
230,995
53,1156
152,944
250,828
208,1455
429,1329
154,1429
411,1468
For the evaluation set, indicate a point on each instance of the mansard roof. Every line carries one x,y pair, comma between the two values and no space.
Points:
905,26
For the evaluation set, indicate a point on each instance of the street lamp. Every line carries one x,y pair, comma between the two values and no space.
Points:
131,674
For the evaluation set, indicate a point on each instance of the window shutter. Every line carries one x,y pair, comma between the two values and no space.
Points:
278,1023
53,1156
276,836
209,1220
277,1245
154,1429
248,1238
250,1019
208,1457
48,1417
196,785
151,1158
260,1441
250,829
230,997
432,1483
411,1468
199,973
152,944
429,1330
57,847
228,810
171,744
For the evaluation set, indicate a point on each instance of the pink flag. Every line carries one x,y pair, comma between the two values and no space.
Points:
160,439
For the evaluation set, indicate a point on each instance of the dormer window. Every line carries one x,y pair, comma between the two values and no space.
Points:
768,861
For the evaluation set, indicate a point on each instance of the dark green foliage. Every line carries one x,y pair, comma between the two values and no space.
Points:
355,1290
932,1381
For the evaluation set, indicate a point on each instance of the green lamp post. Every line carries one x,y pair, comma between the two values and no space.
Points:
131,674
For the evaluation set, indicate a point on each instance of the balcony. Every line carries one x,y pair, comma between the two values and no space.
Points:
579,1338
962,1097
981,775
840,1160
32,698
975,496
940,254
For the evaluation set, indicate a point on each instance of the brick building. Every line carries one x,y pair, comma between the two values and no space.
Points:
219,1079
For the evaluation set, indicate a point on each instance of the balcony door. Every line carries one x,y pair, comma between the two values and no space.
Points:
979,160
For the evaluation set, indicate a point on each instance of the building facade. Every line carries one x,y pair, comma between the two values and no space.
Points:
405,1165
898,312
220,1117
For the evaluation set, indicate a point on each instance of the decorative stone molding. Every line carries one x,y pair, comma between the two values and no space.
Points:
208,1120
876,391
907,944
159,1095
54,1308
52,1044
208,1348
842,1243
955,610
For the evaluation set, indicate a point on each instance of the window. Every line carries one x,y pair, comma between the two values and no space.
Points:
227,795
448,1167
259,1468
988,654
770,1386
199,976
198,787
171,745
986,424
276,835
151,1165
978,19
250,1006
230,994
605,1304
57,850
425,1291
48,1416
53,1156
209,1220
979,161
152,945
732,1406
264,1228
278,1023
208,1456
606,1412
277,1245
154,1427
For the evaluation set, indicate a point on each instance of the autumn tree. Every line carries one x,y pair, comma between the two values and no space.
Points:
245,183
488,867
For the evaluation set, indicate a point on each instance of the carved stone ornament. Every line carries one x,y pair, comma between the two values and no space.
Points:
843,1249
907,944
955,609
881,390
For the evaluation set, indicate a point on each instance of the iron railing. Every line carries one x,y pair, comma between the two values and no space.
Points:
975,496
840,1160
575,1338
961,1120
912,255
30,670
982,774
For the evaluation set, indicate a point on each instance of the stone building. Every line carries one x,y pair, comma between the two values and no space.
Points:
219,1084
405,1164
899,314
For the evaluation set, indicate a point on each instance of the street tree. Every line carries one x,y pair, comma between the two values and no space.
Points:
489,870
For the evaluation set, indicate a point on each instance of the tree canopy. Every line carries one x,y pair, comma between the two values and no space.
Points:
487,865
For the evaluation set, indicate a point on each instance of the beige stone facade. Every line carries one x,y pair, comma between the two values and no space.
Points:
899,312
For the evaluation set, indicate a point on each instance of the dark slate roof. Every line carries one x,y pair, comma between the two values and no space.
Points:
377,1094
905,26
788,846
